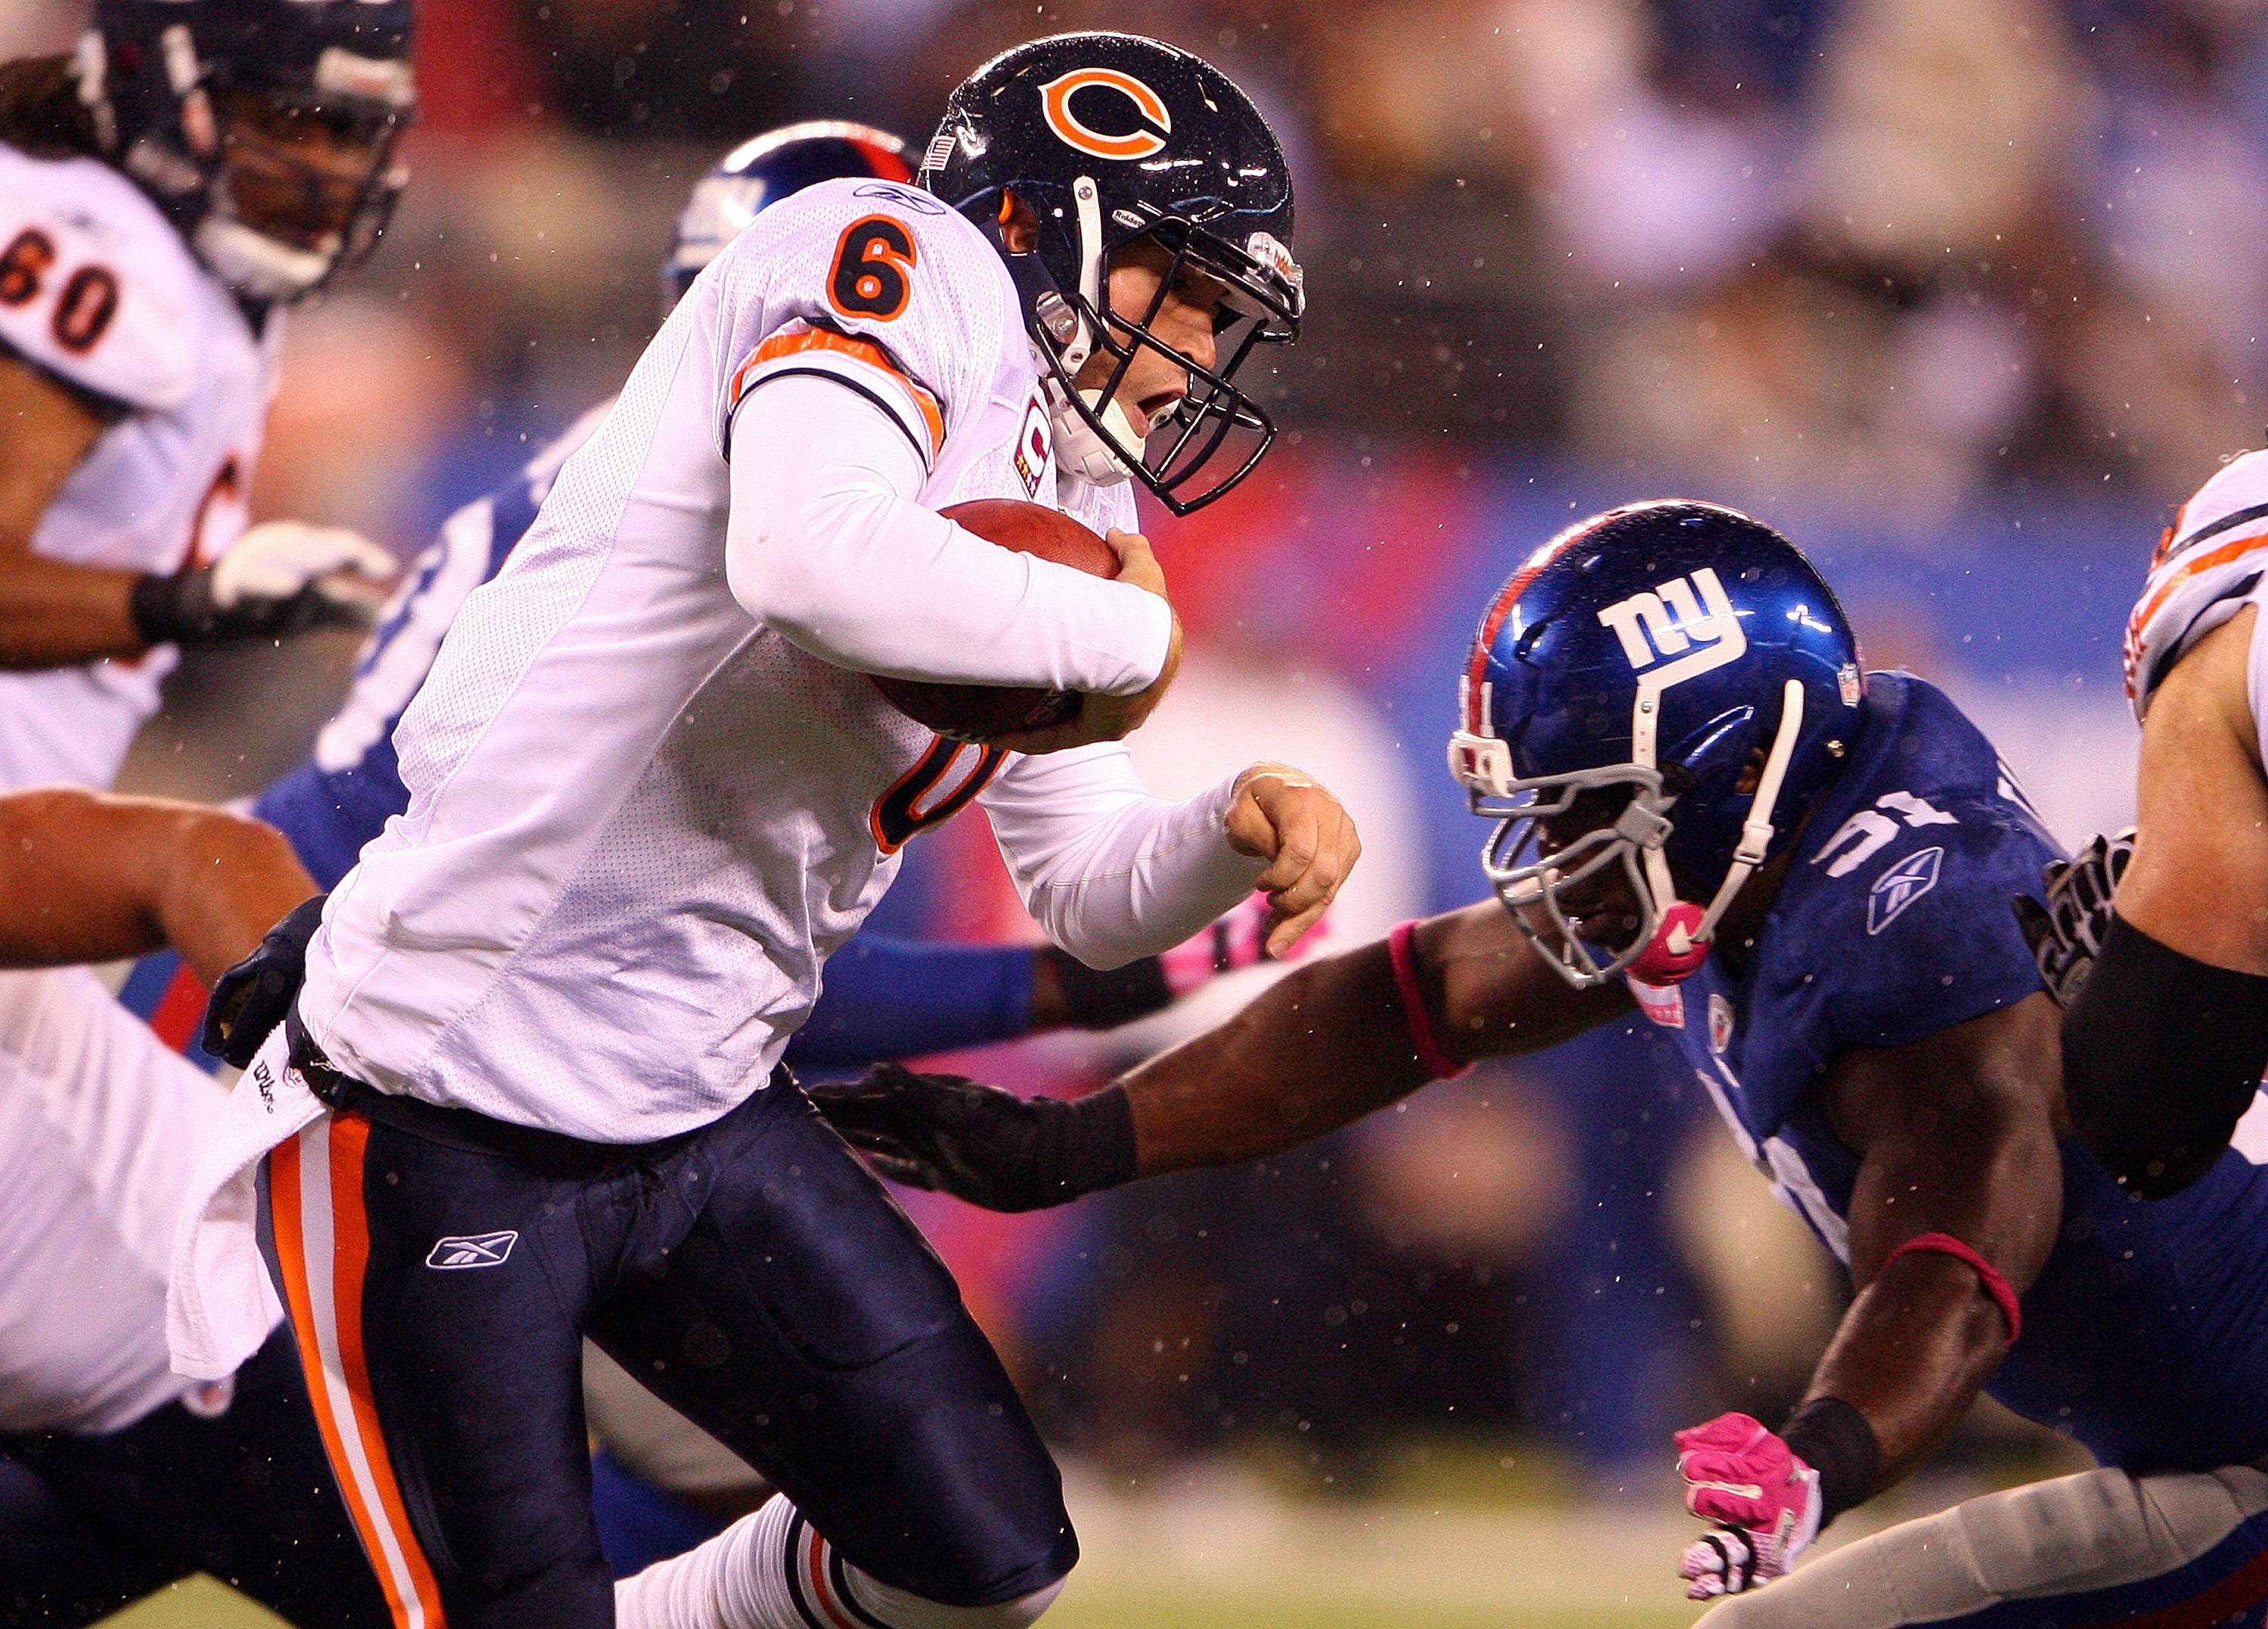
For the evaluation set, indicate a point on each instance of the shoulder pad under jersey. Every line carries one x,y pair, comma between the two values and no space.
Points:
878,285
95,285
2209,559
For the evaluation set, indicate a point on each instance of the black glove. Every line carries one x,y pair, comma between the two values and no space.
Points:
1094,1000
978,1143
251,998
2067,934
183,609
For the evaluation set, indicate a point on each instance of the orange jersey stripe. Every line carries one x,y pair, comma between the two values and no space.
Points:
2220,556
796,340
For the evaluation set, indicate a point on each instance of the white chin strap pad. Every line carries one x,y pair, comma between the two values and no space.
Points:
253,263
1079,450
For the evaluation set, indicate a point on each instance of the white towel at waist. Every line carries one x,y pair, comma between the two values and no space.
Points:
219,1305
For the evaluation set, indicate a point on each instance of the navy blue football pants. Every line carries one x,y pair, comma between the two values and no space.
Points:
440,1269
88,1524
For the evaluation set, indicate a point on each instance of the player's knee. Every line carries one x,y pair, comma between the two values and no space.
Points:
901,1610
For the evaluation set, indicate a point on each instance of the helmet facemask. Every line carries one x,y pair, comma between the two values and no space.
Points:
1096,436
279,166
1545,885
279,223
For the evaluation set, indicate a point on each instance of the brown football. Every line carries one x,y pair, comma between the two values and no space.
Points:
977,712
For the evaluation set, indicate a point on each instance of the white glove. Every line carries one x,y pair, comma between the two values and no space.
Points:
277,558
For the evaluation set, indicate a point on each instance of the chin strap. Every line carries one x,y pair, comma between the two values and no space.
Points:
1681,940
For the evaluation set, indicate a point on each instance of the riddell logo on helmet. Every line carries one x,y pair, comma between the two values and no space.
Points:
1152,123
1675,617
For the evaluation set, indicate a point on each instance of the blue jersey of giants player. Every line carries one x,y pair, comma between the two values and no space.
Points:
1703,810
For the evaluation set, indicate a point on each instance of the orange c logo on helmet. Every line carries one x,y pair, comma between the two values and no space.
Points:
1152,123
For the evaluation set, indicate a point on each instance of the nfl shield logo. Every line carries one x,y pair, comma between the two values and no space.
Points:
1720,1024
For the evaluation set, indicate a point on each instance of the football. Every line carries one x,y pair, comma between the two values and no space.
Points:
978,712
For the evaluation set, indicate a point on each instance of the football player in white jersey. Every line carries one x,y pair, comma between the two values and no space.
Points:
524,1091
2158,942
196,165
116,1475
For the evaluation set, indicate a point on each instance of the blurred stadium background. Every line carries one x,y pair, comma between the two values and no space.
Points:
1963,295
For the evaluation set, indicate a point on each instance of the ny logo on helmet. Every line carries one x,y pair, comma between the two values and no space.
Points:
1152,121
1673,618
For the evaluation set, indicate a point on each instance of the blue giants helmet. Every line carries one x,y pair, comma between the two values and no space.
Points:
1653,700
761,172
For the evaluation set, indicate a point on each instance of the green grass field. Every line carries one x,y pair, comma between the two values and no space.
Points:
1232,1553
1451,1541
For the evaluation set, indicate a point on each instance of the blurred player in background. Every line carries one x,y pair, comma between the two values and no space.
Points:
1707,816
2166,1031
196,166
118,1476
646,769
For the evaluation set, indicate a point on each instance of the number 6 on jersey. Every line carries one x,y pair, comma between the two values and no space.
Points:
873,269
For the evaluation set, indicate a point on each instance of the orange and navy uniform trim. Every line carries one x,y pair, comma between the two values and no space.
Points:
798,339
322,1250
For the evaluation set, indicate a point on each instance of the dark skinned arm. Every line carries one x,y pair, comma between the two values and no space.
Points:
1328,1043
87,877
1958,1135
52,614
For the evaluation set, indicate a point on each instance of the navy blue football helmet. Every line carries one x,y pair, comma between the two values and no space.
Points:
761,170
1654,698
1109,137
199,100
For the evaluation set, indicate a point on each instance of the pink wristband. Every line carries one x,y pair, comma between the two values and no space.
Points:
1995,1286
1435,1062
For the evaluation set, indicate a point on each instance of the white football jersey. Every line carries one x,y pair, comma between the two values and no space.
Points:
100,1129
98,289
640,819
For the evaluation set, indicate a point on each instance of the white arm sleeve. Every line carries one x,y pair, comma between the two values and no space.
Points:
826,543
1111,873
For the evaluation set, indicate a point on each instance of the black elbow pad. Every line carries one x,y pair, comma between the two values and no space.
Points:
2162,1057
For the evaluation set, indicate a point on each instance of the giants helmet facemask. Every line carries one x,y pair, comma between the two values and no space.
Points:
1109,138
188,97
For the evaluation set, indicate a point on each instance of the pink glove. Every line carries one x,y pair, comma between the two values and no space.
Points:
1762,1498
1236,941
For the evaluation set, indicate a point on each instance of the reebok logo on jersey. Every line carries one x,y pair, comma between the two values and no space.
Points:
1899,887
473,1250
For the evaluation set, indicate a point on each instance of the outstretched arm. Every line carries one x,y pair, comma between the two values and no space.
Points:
89,877
1317,1050
1957,1204
1329,1043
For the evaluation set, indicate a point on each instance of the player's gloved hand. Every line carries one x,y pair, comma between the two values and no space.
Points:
1080,996
1292,820
1764,1499
278,579
2067,934
251,998
978,1143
